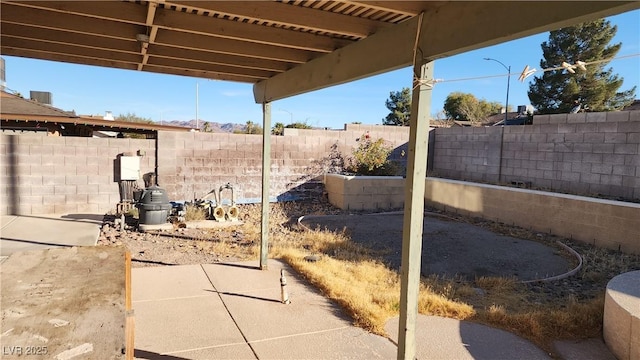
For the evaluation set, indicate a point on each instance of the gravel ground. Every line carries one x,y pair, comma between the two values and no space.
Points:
599,265
235,243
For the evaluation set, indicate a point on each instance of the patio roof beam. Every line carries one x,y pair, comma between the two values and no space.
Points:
390,48
232,47
259,34
65,37
75,59
164,51
152,31
70,22
222,69
307,18
121,11
67,49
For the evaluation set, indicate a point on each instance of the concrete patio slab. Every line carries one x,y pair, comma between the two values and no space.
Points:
242,351
344,343
261,315
443,338
589,349
169,282
239,315
183,325
252,278
38,232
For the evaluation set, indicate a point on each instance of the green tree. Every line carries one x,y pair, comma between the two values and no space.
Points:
298,125
399,105
132,117
207,127
252,128
278,129
595,88
464,106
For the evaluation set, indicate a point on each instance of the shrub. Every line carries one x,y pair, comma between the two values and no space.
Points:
371,158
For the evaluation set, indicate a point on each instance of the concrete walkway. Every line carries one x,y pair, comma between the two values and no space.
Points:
37,232
233,311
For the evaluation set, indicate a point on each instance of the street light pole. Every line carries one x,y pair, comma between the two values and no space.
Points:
506,107
197,100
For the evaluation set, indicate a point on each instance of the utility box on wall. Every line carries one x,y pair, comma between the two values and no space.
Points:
129,167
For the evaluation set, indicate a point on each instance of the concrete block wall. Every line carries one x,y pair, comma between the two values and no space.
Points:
192,164
595,154
604,223
42,175
365,192
61,175
468,153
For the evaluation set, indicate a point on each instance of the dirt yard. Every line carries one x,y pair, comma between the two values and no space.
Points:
481,248
451,248
57,302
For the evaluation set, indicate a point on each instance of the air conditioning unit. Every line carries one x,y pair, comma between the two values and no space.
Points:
42,97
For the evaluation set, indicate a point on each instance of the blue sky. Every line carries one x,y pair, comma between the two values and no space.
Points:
93,90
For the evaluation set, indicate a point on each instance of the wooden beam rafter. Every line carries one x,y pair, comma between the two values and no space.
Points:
157,50
199,74
68,49
12,14
232,47
64,37
152,32
291,15
67,58
208,67
239,31
120,11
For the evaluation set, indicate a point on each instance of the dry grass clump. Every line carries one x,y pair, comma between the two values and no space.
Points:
601,264
366,288
356,278
492,283
195,213
544,325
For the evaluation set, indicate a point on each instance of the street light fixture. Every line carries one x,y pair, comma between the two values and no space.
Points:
506,107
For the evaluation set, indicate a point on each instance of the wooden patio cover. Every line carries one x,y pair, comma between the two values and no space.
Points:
290,47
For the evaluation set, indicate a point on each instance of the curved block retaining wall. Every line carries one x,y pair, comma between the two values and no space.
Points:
604,223
365,192
622,316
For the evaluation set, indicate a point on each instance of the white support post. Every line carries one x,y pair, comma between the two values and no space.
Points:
266,170
414,209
